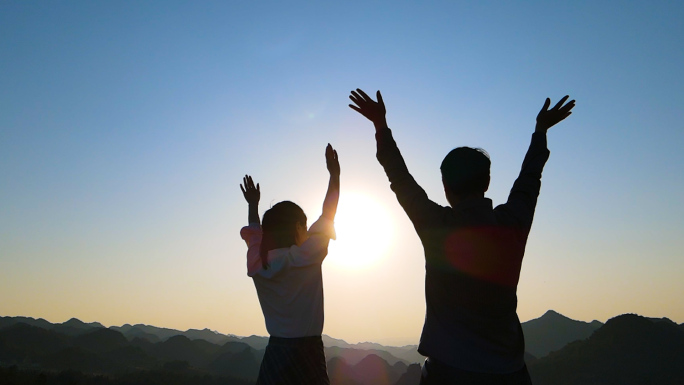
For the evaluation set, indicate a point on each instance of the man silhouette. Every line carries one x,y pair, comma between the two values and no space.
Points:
473,253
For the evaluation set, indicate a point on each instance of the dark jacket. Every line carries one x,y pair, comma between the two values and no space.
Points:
473,255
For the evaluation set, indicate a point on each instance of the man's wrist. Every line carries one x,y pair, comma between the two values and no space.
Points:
380,125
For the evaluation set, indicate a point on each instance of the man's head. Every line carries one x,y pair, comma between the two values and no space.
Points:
465,173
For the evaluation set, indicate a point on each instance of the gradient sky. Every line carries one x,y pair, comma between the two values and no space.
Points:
126,127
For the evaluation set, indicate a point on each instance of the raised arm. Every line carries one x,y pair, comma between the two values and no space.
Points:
522,199
252,195
333,194
410,195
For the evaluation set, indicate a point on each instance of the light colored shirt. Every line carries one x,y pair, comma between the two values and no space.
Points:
290,291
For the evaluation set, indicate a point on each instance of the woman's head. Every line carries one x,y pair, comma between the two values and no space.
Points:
283,225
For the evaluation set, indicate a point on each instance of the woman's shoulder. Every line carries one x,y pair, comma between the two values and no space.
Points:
323,226
250,230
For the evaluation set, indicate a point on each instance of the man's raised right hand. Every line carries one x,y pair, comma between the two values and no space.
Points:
372,110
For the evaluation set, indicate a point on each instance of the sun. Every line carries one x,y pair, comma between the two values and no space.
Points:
365,231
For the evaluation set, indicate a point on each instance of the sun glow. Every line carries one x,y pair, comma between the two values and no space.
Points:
364,229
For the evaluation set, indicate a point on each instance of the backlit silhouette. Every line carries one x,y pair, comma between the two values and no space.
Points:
473,253
284,260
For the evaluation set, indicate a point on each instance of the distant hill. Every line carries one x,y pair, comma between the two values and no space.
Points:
329,341
210,336
100,340
340,372
131,331
72,327
20,341
354,356
628,349
157,334
9,321
256,342
411,376
76,327
102,350
168,376
197,353
92,348
135,332
237,359
154,334
371,370
408,353
552,331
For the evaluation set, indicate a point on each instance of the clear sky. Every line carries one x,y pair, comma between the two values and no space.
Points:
126,127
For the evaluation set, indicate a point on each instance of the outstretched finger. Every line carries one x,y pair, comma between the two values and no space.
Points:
547,103
560,103
356,98
365,96
379,96
243,189
258,189
567,107
357,109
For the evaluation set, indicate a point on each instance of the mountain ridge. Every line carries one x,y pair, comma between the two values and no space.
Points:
552,331
645,348
628,350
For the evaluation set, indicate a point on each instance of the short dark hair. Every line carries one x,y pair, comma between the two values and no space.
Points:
279,228
466,170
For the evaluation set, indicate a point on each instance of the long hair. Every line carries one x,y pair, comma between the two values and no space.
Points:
279,228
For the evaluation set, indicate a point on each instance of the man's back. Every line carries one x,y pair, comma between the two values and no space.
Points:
473,253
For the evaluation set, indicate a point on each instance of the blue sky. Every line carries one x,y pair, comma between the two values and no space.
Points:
126,129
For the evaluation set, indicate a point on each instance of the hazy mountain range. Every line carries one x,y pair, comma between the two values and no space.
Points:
627,349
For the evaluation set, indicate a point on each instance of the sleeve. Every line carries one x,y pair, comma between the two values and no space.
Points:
252,236
522,200
315,248
410,195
